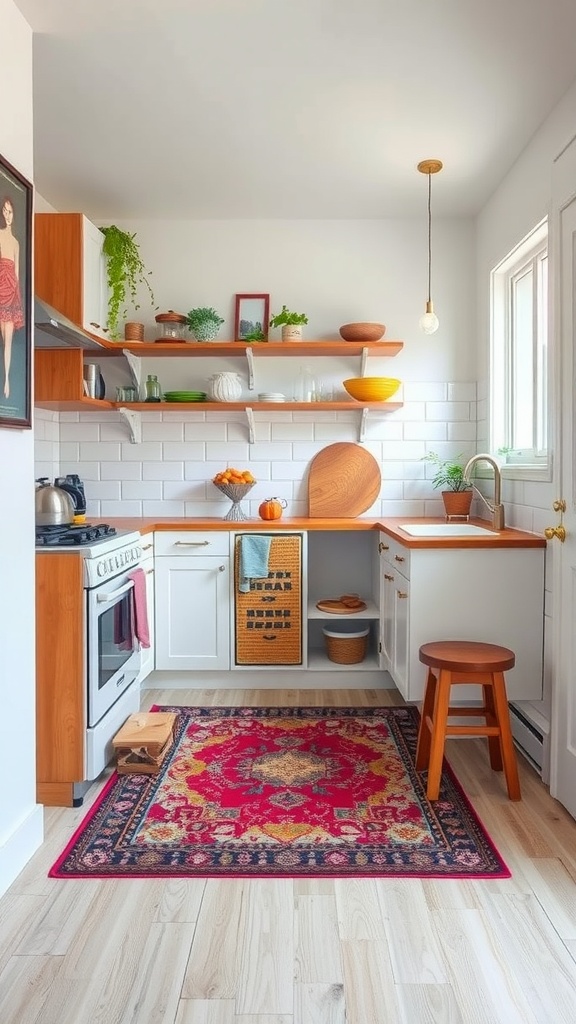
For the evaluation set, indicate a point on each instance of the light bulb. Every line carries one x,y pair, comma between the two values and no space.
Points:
429,323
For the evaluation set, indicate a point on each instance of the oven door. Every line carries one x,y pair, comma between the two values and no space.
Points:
113,652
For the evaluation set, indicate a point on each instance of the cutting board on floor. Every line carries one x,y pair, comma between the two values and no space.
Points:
344,480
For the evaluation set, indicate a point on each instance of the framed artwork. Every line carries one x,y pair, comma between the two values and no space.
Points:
251,318
15,297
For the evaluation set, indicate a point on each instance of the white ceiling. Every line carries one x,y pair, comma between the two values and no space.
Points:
288,108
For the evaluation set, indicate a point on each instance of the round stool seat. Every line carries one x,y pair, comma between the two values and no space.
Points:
467,656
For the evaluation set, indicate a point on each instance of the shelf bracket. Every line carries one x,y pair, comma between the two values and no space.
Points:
250,361
362,427
134,422
135,367
363,361
251,427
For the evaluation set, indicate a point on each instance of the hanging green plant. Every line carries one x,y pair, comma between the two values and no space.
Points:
126,272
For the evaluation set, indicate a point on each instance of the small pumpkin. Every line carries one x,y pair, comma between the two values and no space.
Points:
272,508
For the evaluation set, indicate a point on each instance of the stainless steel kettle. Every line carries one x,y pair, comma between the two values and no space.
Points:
53,506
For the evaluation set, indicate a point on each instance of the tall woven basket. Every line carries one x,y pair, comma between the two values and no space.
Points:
269,617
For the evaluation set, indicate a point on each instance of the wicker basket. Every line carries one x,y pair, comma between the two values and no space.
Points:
346,647
269,616
133,331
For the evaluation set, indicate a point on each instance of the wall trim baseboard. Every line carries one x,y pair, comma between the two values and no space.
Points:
19,846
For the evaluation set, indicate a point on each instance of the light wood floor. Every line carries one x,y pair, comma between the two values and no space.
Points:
279,951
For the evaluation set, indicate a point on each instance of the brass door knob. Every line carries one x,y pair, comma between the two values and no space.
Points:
555,531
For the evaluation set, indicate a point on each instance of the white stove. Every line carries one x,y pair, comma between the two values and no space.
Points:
104,556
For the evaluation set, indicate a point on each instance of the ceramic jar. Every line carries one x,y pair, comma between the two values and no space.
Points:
225,387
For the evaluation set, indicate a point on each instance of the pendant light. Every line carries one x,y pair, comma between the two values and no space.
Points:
429,321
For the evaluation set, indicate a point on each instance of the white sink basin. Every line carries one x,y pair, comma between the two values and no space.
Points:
445,530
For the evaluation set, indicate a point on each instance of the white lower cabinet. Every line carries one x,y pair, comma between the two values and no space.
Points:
192,600
147,660
494,595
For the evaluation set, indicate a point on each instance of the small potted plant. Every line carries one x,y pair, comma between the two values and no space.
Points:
125,272
291,324
457,493
204,323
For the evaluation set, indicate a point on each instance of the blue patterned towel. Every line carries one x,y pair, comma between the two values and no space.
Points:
253,562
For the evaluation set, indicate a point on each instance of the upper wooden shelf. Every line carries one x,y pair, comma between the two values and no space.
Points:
266,348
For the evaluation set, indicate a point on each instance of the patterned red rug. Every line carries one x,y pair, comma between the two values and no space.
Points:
287,792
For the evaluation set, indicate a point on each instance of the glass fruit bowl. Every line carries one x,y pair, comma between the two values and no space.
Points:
235,492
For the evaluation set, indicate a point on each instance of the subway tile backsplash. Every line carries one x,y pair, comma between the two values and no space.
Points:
170,472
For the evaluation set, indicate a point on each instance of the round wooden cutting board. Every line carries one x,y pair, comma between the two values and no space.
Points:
343,482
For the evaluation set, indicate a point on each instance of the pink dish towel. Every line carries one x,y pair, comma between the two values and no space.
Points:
141,628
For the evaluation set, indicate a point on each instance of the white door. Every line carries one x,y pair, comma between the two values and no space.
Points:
563,233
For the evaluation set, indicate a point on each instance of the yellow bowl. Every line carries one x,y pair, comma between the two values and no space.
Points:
371,389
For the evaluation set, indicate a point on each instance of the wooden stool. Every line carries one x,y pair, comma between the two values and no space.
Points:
464,661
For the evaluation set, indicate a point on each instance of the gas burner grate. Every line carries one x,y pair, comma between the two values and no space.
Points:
64,535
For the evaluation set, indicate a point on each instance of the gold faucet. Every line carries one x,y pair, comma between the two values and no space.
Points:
497,509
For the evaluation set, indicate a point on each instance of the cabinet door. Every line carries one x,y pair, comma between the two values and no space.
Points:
95,280
192,612
401,634
387,592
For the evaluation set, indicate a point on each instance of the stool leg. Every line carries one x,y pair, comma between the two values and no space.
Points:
439,722
494,747
424,733
507,744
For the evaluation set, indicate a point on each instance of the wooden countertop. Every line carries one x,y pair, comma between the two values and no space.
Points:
508,538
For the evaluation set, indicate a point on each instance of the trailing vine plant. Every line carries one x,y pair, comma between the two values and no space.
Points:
125,271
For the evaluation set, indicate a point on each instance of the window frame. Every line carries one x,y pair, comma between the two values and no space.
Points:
529,255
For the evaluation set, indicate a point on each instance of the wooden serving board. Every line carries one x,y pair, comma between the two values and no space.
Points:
337,608
343,482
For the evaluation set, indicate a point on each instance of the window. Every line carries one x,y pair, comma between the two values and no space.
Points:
519,352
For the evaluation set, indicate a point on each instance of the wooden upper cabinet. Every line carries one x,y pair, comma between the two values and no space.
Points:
70,269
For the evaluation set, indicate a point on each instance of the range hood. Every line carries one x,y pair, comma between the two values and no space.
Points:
52,330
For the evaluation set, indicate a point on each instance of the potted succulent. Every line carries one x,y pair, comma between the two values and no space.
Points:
291,324
457,493
125,272
204,323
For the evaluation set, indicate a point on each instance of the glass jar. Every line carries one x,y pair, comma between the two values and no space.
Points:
172,326
153,393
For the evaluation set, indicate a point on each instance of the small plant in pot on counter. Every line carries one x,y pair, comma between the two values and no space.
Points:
291,324
204,323
457,492
125,272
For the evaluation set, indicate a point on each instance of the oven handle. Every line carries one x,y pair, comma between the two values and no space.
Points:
101,598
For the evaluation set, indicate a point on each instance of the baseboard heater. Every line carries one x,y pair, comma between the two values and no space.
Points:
528,738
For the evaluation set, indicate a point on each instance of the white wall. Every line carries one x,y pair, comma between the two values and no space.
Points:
336,271
519,203
20,816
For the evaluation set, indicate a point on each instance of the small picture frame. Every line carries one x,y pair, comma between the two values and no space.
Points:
251,318
15,298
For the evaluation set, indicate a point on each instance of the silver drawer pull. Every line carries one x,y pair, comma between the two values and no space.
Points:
149,572
191,543
146,547
221,568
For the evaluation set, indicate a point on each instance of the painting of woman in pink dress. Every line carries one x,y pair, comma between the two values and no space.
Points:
11,311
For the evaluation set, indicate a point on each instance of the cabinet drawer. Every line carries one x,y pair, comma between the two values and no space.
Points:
396,554
192,542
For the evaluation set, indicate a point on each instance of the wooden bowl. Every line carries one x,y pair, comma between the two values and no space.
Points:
362,332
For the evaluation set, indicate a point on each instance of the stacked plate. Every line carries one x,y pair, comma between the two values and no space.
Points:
271,396
185,396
